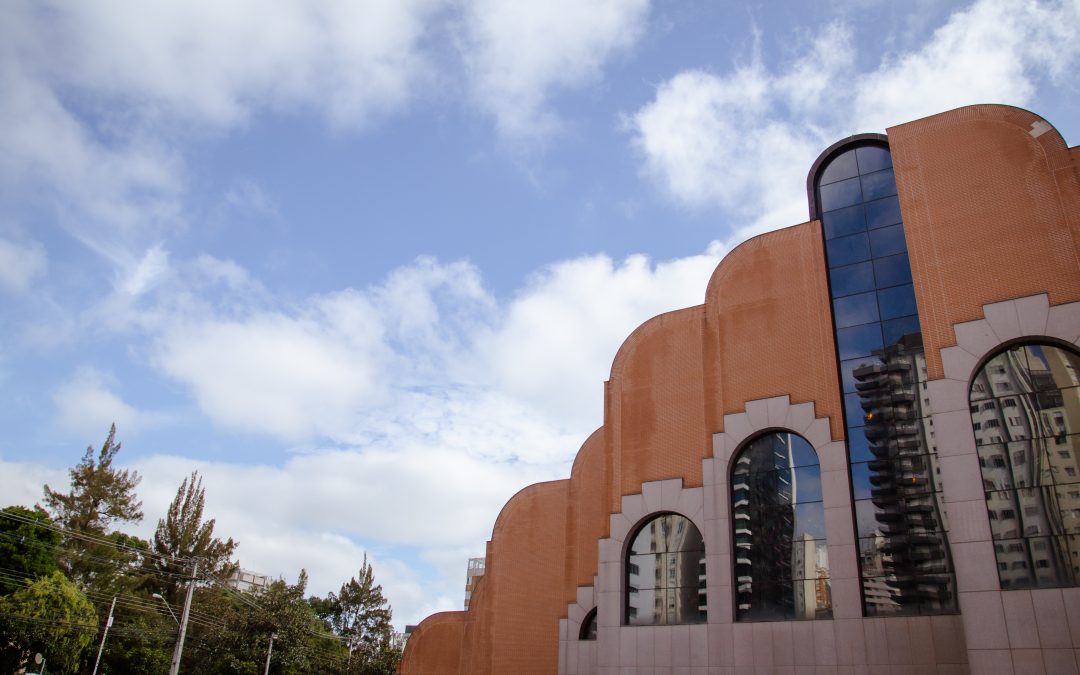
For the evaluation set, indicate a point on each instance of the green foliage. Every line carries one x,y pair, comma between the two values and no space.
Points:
52,581
49,616
358,613
100,496
183,534
27,551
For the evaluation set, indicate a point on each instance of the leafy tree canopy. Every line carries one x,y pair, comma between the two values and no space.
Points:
27,550
50,616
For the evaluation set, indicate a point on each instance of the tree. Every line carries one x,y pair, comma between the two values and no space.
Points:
358,613
50,616
27,547
183,534
100,495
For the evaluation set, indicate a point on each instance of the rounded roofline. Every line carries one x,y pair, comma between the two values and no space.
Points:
645,328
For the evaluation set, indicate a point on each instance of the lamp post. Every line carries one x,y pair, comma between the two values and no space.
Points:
164,602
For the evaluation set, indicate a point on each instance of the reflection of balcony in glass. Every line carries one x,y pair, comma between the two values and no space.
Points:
665,573
1025,407
907,513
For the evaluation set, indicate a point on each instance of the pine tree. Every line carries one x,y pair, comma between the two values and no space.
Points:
183,534
99,493
358,613
100,496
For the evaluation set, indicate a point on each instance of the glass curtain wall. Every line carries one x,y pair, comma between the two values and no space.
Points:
904,557
665,573
1025,410
778,522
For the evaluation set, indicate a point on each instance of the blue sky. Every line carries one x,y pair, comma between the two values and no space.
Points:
365,264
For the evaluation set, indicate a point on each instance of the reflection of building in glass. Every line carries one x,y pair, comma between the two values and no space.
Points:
894,473
908,536
1024,409
781,563
474,572
665,573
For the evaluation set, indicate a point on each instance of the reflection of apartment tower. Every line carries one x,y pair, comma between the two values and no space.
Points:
474,572
810,567
877,588
762,496
1023,422
666,573
907,509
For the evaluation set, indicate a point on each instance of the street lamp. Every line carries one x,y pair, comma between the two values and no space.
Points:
163,601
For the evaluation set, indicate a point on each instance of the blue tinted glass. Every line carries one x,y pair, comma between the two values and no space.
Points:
897,328
846,368
802,453
897,301
855,309
892,271
839,168
809,518
860,481
847,250
882,212
807,485
851,279
858,340
853,411
841,194
844,221
858,445
877,185
887,241
873,158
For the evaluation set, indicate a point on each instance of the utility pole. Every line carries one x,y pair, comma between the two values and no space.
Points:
269,651
175,669
108,625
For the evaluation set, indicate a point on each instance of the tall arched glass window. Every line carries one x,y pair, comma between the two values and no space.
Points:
778,522
904,560
665,573
1025,411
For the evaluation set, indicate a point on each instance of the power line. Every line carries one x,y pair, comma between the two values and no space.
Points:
90,538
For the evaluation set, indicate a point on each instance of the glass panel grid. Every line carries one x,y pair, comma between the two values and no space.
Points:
904,553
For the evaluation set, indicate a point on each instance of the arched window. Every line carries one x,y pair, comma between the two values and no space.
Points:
588,626
778,522
665,573
1025,410
904,560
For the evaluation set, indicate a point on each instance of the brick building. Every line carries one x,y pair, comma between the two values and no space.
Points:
859,452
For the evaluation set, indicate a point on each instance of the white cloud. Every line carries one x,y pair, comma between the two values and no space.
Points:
22,483
996,51
555,346
520,53
85,405
744,140
21,264
97,96
290,376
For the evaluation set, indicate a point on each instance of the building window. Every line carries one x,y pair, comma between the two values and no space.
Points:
1044,402
778,521
588,626
904,559
665,569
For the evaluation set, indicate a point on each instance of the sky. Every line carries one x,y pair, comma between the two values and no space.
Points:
365,265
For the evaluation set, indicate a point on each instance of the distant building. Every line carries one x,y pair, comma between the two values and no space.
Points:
860,454
472,574
246,580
